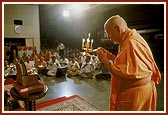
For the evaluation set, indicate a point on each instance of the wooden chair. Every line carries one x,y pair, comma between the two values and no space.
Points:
22,76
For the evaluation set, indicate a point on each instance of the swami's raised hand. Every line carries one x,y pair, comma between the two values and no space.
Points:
101,53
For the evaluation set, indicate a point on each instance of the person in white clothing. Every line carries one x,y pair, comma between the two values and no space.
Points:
64,61
87,69
52,66
73,67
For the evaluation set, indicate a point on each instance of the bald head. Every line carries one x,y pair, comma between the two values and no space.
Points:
115,20
115,27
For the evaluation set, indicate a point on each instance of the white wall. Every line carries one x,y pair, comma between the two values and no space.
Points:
29,14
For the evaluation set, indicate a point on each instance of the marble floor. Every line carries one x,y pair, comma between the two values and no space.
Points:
94,91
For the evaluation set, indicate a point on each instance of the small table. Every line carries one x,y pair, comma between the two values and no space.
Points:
30,99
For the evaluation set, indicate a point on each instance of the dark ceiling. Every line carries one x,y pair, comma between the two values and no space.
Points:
70,30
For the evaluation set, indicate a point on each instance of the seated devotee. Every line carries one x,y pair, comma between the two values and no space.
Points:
87,69
52,66
34,57
54,59
100,71
81,59
52,70
41,66
7,68
29,51
73,67
64,61
62,69
30,65
97,63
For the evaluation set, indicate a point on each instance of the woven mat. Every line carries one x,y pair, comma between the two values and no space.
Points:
74,103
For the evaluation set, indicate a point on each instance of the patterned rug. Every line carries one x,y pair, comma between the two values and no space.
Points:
72,103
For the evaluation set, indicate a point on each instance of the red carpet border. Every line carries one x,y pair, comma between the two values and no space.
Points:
72,103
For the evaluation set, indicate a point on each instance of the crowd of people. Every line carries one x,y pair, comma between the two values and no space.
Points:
49,62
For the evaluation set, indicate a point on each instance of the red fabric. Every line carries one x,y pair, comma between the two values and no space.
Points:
53,101
8,81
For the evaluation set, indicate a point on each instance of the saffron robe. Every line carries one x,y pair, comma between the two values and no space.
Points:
134,61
